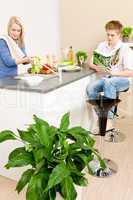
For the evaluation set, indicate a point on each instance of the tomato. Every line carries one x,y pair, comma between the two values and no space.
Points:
46,67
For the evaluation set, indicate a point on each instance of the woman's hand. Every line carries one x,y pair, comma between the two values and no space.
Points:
32,60
27,60
24,60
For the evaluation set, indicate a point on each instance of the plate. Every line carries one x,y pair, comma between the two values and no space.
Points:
71,68
31,80
45,76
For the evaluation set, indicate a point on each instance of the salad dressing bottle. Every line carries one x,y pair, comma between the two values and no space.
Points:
71,55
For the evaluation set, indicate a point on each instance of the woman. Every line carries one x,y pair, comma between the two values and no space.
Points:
12,49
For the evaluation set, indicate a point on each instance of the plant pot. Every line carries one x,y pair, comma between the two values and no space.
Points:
125,39
81,64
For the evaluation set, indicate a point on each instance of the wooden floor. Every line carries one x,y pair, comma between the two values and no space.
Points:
7,190
117,187
120,185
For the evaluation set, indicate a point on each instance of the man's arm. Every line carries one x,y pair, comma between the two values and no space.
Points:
125,73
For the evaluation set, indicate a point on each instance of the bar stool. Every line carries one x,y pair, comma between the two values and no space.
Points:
103,105
115,135
117,96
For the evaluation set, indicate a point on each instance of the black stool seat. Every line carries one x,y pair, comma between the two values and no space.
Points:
103,105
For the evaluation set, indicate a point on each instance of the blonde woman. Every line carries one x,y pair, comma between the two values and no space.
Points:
12,49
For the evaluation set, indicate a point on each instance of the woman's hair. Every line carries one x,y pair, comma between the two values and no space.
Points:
114,25
16,20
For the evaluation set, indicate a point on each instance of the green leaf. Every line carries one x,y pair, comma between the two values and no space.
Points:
40,165
37,184
25,178
79,163
28,147
45,133
67,189
82,136
79,180
35,187
65,122
6,135
84,158
79,134
47,138
29,136
78,130
74,148
46,196
58,174
32,128
40,121
50,137
71,165
20,157
52,194
41,127
39,154
102,163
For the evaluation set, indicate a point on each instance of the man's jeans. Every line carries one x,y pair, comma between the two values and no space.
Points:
110,87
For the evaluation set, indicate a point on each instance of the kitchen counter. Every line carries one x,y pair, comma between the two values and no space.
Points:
48,84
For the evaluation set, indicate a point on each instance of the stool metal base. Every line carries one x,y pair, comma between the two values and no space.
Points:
114,136
110,170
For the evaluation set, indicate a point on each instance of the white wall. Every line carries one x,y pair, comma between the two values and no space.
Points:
41,23
82,21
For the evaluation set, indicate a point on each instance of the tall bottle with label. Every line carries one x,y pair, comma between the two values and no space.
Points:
71,55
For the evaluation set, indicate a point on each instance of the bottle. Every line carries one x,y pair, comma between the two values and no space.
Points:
54,59
71,55
49,60
63,55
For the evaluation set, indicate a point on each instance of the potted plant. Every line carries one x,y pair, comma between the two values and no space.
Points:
56,158
81,57
126,33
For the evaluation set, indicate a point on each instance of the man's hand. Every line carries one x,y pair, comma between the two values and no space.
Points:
103,70
98,69
113,73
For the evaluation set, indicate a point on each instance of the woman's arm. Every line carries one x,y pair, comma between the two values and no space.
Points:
24,50
7,58
5,54
24,60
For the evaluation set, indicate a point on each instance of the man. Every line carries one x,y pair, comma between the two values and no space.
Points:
116,58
